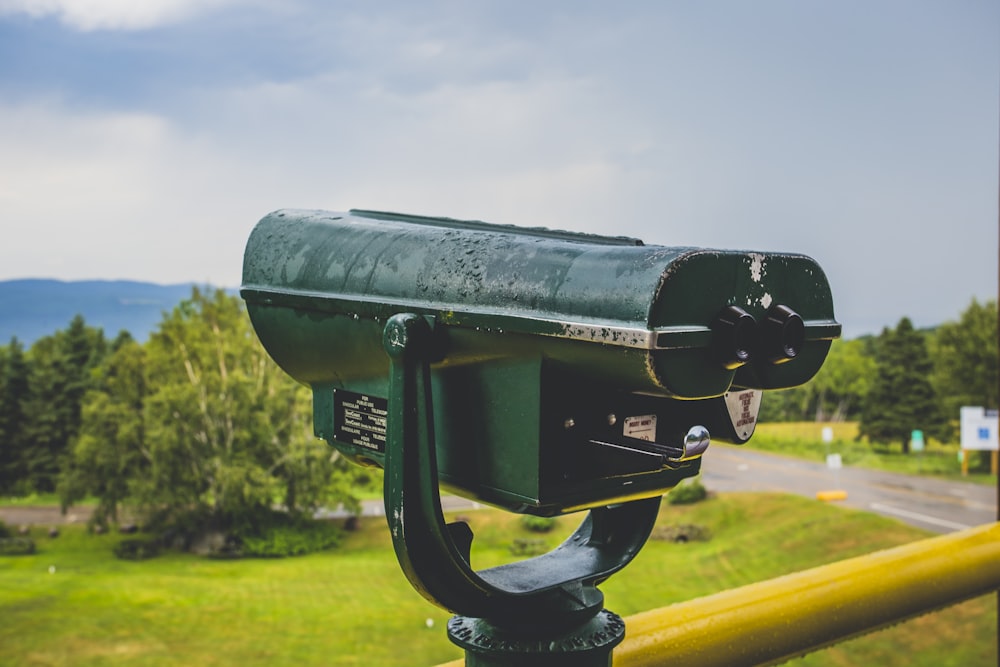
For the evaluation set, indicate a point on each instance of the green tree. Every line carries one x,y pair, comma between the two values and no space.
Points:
222,432
901,397
110,452
843,382
61,372
14,388
836,393
787,405
966,359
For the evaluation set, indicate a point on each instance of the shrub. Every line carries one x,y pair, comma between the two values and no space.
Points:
526,547
5,531
179,530
686,494
537,524
294,538
16,546
265,534
137,549
682,533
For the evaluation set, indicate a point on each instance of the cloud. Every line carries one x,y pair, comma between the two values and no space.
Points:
89,15
108,194
155,162
547,151
116,195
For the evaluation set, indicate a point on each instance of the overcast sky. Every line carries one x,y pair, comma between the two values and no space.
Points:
143,140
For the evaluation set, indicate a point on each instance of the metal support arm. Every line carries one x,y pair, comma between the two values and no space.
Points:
555,590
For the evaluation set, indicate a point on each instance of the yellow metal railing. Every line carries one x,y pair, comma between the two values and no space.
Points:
772,621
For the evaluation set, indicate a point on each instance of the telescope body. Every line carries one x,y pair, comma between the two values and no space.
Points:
568,368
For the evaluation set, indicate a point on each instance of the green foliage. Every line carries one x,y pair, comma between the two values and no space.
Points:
836,393
522,547
844,380
109,452
200,422
40,398
966,359
961,367
901,397
537,524
16,546
787,405
687,493
136,549
179,529
268,534
681,533
14,390
11,545
294,538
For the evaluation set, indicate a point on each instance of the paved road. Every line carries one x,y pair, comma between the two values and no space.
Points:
930,503
377,507
48,516
925,502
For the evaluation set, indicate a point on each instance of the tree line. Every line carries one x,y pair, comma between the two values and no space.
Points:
902,380
197,421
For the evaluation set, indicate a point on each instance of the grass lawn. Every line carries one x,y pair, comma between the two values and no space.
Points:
73,603
805,440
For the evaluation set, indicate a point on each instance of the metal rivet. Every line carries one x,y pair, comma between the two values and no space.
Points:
569,423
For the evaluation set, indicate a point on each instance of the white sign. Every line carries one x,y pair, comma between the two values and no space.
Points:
743,407
834,462
641,428
827,434
979,428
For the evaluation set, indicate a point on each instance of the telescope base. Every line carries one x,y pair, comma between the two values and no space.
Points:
587,645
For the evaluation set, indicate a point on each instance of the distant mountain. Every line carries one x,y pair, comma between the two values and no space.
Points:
33,308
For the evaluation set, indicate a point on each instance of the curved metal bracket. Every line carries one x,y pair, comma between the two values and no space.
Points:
557,587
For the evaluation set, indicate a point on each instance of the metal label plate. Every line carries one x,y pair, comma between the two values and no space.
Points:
743,407
641,428
360,419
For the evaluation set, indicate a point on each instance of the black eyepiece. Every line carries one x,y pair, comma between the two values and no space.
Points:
784,334
734,335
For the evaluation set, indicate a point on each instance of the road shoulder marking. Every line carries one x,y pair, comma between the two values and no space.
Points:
917,516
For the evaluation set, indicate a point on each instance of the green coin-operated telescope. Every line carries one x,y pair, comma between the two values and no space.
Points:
542,372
